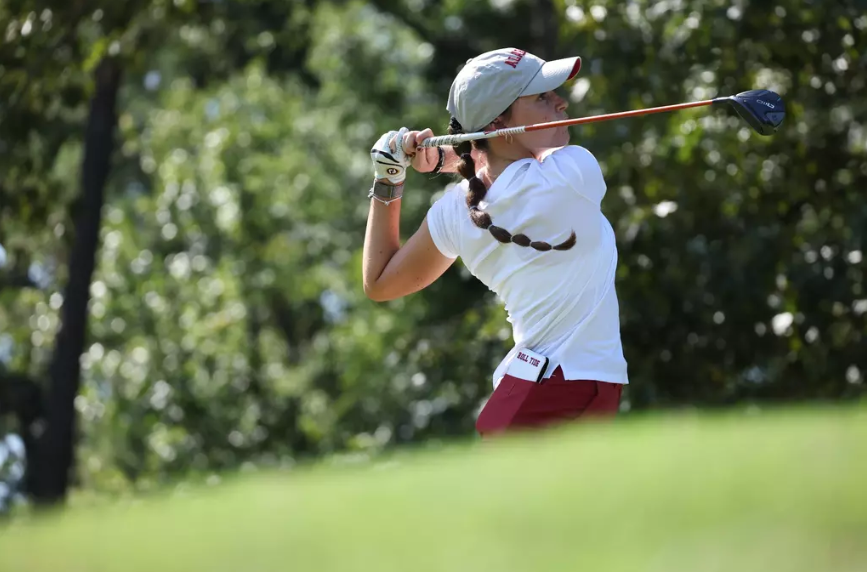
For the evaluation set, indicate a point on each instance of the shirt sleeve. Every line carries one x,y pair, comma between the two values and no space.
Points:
582,172
442,225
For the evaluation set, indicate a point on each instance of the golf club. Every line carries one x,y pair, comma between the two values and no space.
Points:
762,109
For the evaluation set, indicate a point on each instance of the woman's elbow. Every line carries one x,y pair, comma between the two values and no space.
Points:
374,293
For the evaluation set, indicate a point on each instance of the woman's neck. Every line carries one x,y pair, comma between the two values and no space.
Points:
496,163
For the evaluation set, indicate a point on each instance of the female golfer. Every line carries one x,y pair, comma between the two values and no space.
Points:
527,222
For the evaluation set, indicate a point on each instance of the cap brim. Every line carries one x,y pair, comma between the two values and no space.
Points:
552,75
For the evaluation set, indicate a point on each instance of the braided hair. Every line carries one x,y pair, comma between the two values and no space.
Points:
476,194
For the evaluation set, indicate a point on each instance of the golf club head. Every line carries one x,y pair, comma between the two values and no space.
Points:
763,109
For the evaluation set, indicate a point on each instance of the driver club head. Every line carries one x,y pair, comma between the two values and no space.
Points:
763,109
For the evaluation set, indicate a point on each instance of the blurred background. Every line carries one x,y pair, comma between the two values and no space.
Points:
183,189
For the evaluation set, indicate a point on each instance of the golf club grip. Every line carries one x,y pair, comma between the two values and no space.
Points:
459,138
443,140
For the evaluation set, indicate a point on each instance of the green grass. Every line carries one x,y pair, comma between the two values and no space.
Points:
782,491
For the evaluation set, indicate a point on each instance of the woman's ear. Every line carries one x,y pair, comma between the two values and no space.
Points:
499,123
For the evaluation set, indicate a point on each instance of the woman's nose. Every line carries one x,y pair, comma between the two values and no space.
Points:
562,103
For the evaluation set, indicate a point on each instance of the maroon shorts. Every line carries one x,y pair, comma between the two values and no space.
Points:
521,404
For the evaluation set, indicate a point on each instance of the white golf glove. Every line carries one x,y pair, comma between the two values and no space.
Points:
389,160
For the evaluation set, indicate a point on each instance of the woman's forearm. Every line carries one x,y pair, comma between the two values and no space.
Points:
452,160
381,241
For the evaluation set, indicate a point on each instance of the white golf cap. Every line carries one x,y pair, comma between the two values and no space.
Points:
491,82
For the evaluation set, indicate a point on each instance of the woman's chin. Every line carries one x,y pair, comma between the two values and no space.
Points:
559,141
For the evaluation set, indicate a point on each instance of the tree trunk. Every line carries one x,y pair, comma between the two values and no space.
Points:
55,455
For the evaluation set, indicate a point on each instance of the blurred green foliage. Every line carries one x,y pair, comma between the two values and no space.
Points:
227,321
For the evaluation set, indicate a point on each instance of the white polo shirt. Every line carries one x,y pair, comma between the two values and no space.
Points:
560,304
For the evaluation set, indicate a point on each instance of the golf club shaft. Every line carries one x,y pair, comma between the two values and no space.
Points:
457,139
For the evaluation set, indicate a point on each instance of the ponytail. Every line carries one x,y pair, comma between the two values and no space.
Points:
476,194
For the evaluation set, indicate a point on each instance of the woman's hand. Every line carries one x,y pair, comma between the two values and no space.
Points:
390,161
423,160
